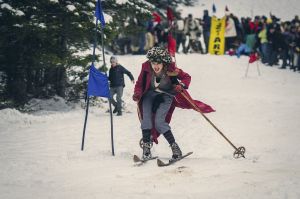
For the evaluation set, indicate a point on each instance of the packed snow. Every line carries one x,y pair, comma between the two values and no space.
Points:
41,157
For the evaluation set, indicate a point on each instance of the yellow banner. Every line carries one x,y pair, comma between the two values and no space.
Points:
217,38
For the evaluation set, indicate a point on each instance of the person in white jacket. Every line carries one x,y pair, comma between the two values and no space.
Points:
230,32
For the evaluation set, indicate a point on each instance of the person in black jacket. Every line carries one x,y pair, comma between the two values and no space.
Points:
117,84
206,23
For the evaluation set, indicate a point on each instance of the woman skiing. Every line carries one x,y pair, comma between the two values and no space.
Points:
159,89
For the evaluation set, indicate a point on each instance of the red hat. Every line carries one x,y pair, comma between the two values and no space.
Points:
156,17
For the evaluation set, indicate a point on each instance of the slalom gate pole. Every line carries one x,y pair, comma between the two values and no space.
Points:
239,152
109,100
111,130
85,121
87,97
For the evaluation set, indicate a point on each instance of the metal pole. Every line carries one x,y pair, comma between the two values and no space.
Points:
258,67
111,130
85,121
95,42
87,99
247,70
109,100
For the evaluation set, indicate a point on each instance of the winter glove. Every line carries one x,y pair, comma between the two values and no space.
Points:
178,88
136,97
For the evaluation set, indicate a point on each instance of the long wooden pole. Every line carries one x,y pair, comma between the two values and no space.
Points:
197,109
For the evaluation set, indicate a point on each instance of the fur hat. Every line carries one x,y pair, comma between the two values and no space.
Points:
159,54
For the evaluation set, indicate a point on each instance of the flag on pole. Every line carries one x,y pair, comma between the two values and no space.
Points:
156,17
170,15
214,9
171,40
226,9
253,57
171,45
97,83
99,13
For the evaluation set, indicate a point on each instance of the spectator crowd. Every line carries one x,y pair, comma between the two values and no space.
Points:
276,42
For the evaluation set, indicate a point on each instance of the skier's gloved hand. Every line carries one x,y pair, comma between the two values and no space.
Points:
178,88
136,97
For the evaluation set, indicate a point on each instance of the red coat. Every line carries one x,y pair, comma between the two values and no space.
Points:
144,82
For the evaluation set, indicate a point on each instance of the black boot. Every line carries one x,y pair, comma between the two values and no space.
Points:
146,135
174,146
147,144
169,137
147,151
176,151
119,113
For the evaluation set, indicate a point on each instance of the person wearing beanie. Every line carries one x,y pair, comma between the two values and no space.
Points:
157,91
117,84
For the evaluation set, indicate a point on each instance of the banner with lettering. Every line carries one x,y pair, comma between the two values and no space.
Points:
217,36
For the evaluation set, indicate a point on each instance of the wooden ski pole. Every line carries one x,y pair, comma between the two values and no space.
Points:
239,152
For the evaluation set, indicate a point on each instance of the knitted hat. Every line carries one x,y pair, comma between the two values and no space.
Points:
159,54
114,58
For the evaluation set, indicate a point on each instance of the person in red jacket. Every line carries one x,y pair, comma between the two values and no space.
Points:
158,90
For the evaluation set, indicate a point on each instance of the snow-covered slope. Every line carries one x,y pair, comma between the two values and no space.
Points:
40,153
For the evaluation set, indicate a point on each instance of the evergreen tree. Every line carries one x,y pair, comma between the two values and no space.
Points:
39,44
42,43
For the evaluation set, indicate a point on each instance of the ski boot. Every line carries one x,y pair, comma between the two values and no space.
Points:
147,151
115,110
176,151
119,113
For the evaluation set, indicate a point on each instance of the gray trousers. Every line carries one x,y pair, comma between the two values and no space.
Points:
160,124
119,92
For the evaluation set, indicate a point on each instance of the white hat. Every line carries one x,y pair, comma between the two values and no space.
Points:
114,58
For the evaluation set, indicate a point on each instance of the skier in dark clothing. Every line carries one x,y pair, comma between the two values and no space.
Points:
117,84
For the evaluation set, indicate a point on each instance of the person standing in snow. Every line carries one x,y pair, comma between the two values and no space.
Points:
157,91
193,30
206,23
117,84
179,34
230,32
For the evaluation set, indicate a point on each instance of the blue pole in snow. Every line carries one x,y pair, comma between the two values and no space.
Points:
110,111
87,98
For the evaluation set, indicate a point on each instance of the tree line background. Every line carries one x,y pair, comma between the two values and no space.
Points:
41,41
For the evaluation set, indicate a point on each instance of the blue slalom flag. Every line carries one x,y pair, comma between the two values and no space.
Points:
214,9
98,83
99,13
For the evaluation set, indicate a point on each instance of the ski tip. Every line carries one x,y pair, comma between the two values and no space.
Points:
136,158
160,163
